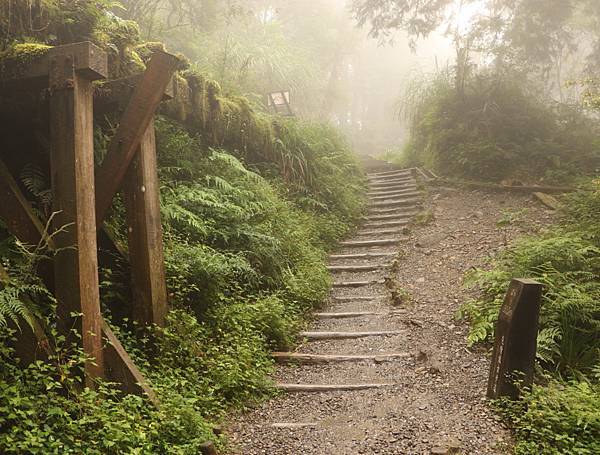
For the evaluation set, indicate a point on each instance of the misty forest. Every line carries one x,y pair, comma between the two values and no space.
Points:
291,227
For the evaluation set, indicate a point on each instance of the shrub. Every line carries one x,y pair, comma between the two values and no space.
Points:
559,418
495,129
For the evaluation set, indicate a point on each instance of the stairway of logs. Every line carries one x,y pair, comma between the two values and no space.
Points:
359,291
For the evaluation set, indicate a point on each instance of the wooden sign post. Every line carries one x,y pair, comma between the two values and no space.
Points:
516,339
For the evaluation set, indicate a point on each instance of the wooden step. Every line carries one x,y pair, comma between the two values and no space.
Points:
406,211
368,243
315,359
389,182
355,268
395,171
362,256
380,232
384,224
398,216
347,315
392,194
393,186
361,298
330,387
357,314
397,175
356,284
292,426
395,203
314,336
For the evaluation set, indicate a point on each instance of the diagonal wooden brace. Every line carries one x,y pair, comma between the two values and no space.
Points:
16,210
134,123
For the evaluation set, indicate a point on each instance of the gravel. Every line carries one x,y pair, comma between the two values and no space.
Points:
437,403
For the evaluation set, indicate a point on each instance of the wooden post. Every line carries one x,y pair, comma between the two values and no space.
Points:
72,170
516,339
142,203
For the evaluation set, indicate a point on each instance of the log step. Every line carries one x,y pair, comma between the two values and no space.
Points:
369,298
330,387
355,268
380,232
362,256
384,224
348,315
399,216
395,211
393,172
383,184
312,336
395,203
315,359
367,243
387,178
379,190
356,284
292,426
391,194
356,314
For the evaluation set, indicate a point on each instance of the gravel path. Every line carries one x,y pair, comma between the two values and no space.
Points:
435,403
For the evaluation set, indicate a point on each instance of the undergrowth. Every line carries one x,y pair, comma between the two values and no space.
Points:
559,416
496,129
245,248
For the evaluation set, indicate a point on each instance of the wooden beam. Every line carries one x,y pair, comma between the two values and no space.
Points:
133,125
121,369
330,387
16,211
31,341
318,359
347,335
142,204
116,93
509,188
87,58
72,170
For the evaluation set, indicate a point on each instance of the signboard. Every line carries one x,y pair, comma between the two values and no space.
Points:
279,102
516,339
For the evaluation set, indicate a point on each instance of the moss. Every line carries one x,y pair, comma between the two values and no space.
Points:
24,52
15,58
145,50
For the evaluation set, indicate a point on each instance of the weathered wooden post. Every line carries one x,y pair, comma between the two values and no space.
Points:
71,72
144,230
131,164
515,339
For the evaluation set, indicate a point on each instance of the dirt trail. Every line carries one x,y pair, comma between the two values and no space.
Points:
427,388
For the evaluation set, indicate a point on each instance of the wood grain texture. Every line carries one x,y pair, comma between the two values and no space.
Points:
72,170
133,125
146,251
